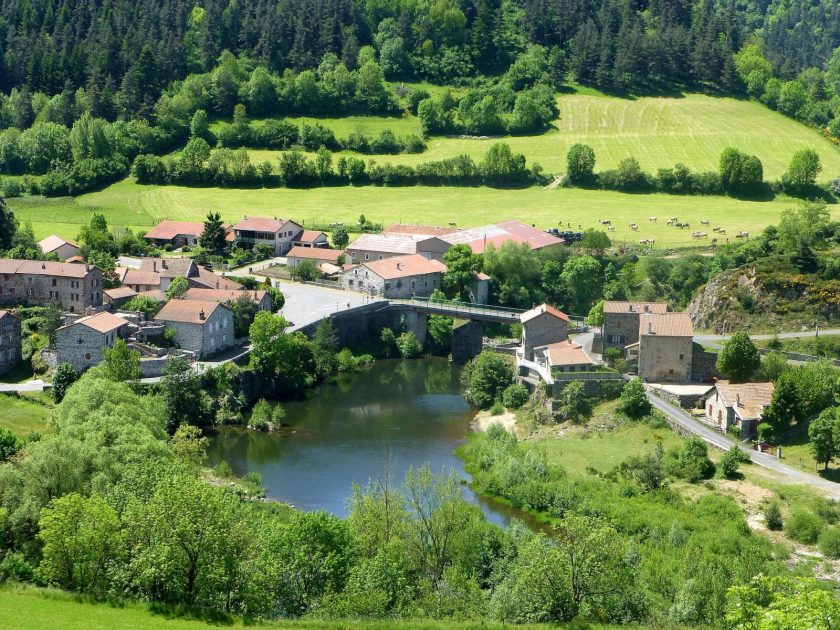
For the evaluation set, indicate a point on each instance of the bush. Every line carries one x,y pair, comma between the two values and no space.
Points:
692,462
486,377
804,527
266,416
409,345
634,402
497,409
15,567
515,396
65,375
223,469
830,542
773,517
730,461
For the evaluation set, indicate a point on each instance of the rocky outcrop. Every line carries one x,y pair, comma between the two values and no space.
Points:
765,296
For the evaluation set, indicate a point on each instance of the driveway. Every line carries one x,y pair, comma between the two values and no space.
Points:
29,386
724,442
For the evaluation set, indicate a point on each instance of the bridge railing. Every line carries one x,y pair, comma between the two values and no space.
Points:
461,307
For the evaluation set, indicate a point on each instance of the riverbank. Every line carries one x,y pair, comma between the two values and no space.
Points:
485,419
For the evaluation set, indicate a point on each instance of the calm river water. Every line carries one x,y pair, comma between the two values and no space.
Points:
403,412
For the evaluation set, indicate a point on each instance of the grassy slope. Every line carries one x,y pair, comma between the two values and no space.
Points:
34,609
131,205
22,417
657,131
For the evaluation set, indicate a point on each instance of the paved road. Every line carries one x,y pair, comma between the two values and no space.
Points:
724,442
28,386
307,303
712,340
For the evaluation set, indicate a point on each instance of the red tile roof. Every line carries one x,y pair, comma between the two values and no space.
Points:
170,267
566,353
188,311
497,233
261,224
404,266
53,242
138,277
167,230
541,309
103,322
223,295
666,325
316,253
635,307
212,280
44,268
120,292
309,236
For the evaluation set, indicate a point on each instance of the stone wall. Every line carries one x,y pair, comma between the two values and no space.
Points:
620,330
10,343
703,365
82,346
362,280
665,359
542,330
467,338
72,294
210,337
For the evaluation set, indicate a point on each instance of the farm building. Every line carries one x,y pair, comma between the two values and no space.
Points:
397,277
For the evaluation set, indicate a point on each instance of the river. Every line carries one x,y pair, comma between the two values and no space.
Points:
395,414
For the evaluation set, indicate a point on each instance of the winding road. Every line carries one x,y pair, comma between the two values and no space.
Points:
724,442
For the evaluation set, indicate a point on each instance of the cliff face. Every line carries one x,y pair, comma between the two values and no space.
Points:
765,296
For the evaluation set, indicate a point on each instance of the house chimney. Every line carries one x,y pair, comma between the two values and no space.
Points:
43,266
630,308
163,265
647,308
737,400
650,328
399,266
217,284
154,266
201,315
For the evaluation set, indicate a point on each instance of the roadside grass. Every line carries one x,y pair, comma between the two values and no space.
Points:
30,608
658,131
23,416
602,443
129,204
824,346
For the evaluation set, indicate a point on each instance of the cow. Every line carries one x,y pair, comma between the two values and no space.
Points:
611,228
634,227
706,222
714,241
742,234
652,219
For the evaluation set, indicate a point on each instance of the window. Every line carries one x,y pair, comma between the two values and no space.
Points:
387,285
412,284
682,356
54,282
710,411
30,291
367,257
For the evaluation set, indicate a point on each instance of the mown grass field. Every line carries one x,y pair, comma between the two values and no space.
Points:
27,608
139,207
22,416
658,131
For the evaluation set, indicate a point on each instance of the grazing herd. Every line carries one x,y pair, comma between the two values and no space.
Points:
675,222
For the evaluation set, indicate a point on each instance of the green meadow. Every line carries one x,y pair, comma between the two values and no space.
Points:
139,207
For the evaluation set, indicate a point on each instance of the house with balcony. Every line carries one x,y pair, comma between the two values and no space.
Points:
278,234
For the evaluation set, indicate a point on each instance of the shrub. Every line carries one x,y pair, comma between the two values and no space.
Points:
692,462
266,416
804,527
486,377
730,461
497,408
15,567
65,375
223,469
634,402
9,444
830,542
773,517
409,345
515,396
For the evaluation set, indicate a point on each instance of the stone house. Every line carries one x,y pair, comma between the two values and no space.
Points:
82,342
621,322
479,288
397,277
118,296
277,233
175,233
10,341
73,287
61,247
261,298
318,255
156,274
664,349
311,238
369,247
201,326
138,280
564,356
741,405
541,326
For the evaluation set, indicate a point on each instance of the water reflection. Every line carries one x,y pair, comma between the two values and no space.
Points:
403,413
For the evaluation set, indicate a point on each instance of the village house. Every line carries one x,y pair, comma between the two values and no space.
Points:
201,326
61,247
175,233
397,277
157,273
274,232
10,341
621,322
311,238
381,246
563,356
479,288
118,296
739,405
40,283
138,280
664,349
542,326
261,298
422,230
82,342
478,238
318,255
